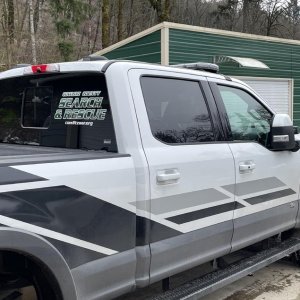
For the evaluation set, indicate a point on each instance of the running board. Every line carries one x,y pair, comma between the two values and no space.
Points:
215,280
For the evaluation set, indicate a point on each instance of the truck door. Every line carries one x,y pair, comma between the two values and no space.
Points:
267,182
191,214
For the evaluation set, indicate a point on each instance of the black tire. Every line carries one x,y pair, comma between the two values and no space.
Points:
28,278
296,258
44,284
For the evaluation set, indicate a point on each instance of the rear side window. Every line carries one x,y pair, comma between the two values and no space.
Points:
57,110
177,110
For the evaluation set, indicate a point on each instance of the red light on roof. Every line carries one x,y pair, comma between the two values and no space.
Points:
35,69
39,68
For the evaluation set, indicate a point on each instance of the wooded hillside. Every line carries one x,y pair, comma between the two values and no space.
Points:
36,31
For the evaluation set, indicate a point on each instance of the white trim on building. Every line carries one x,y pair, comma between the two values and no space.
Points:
169,25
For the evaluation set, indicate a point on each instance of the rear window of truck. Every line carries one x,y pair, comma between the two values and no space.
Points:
66,110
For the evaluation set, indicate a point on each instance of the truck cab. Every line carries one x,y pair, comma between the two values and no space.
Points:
118,174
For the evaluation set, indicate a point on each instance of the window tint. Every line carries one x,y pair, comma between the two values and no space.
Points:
57,110
177,110
249,120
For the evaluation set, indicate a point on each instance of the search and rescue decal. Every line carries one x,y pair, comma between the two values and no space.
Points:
76,105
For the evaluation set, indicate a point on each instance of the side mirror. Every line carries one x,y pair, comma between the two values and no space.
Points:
282,135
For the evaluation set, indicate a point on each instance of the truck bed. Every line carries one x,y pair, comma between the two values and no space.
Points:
24,154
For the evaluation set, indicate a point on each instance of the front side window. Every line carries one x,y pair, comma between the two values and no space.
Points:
249,119
177,110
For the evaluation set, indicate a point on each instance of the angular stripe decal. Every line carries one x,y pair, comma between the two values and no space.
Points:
11,176
270,196
55,235
254,186
64,213
238,205
181,201
203,213
72,218
148,231
75,255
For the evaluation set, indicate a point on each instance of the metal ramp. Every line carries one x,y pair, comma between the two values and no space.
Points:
213,281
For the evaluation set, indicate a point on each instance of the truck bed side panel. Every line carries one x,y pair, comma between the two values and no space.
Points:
84,208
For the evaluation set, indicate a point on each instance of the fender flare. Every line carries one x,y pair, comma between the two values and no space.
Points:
27,243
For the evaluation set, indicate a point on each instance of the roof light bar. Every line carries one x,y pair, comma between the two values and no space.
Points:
200,66
35,69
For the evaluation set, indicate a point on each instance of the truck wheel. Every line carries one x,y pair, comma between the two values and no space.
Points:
296,258
42,285
24,279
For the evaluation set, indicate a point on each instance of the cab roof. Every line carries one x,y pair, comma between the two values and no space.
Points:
103,65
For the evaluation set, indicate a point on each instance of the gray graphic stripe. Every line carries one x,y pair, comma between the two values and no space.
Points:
254,186
10,176
238,205
67,212
270,196
54,235
204,213
181,201
74,254
57,158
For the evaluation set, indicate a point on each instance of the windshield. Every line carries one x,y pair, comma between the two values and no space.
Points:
57,110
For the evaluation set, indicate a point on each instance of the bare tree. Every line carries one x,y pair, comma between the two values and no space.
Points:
8,28
292,13
273,10
70,29
97,25
32,33
105,24
11,20
120,20
162,8
227,14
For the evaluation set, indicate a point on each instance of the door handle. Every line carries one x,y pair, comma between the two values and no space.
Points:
168,176
246,167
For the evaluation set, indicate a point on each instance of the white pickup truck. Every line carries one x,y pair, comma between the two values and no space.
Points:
115,175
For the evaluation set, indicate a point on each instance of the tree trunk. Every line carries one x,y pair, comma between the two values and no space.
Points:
295,8
105,24
32,35
246,14
97,27
11,20
36,15
166,11
90,15
21,21
130,22
120,20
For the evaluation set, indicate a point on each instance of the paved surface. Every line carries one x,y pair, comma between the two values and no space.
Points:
279,281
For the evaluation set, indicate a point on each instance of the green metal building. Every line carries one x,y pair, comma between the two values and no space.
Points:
278,81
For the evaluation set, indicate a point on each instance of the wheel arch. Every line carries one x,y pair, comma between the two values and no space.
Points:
42,252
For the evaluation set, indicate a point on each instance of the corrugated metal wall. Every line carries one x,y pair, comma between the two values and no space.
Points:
146,49
283,59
